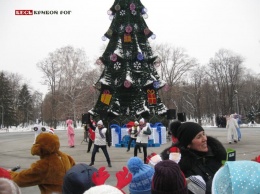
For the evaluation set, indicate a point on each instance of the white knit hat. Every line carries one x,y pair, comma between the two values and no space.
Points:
141,120
100,122
103,189
136,122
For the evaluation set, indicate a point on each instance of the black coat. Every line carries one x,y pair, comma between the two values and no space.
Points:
205,164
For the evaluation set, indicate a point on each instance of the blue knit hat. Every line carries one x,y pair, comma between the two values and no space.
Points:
237,177
142,176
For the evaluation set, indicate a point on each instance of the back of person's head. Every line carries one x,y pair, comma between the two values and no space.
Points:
168,178
174,127
103,189
237,177
142,176
8,186
78,179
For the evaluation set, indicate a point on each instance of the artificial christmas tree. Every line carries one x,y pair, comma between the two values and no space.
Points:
129,83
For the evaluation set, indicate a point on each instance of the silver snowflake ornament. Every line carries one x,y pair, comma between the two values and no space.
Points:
137,65
122,12
117,65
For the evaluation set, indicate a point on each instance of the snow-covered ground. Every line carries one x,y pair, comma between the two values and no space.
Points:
63,127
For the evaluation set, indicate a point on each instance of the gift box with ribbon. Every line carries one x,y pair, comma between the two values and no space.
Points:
127,38
151,96
106,97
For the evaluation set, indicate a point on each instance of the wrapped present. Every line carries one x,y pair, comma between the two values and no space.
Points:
127,38
106,97
151,96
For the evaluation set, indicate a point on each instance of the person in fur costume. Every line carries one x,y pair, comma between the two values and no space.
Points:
49,170
200,154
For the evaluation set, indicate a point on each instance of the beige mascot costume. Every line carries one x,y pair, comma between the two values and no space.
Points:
49,170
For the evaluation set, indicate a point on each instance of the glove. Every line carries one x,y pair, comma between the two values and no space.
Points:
5,173
123,178
109,144
100,177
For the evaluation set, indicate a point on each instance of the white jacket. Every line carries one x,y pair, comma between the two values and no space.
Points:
141,137
98,139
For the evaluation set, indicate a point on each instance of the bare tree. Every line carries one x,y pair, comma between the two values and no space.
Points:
51,69
66,73
74,65
175,63
225,72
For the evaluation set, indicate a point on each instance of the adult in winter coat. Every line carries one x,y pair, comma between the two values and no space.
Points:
200,154
91,135
142,138
232,129
48,172
100,142
70,131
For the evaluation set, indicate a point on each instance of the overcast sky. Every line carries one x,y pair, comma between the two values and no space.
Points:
202,27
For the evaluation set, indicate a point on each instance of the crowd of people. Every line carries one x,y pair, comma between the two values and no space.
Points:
193,163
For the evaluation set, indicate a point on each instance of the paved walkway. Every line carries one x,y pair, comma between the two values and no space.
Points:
15,149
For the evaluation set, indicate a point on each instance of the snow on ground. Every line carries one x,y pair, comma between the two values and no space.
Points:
79,127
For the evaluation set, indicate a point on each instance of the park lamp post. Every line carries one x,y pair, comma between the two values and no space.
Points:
236,93
2,115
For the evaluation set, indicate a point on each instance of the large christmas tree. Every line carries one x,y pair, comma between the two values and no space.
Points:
129,83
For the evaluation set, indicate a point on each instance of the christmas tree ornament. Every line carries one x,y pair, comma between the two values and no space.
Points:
106,97
156,84
153,36
117,7
127,37
117,65
140,56
144,10
127,84
151,96
137,65
122,12
109,12
145,15
132,6
104,38
113,57
111,17
128,28
133,12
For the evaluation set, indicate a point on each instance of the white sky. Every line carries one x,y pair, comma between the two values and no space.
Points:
202,27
